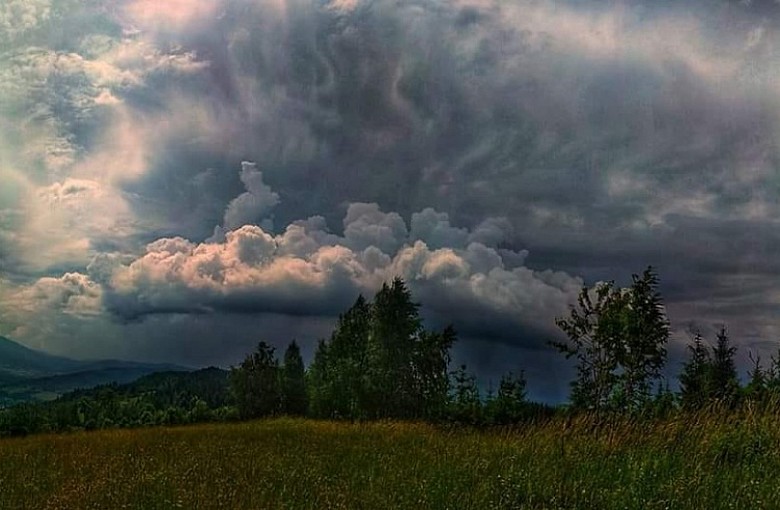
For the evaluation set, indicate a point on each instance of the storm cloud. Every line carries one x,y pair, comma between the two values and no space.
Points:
498,155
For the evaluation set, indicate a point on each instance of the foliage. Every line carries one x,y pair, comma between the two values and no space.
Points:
509,405
465,406
725,382
381,363
294,398
165,398
256,385
618,337
696,376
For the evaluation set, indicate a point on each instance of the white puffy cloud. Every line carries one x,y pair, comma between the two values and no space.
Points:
62,220
252,205
435,230
72,293
68,140
366,225
308,271
20,16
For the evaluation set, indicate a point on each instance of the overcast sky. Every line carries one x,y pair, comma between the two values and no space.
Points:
181,179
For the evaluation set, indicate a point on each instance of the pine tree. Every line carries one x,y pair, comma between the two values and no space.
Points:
757,388
255,383
294,397
510,403
465,405
696,375
318,383
725,383
395,330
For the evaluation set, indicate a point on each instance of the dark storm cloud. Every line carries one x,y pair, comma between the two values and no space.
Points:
607,137
459,275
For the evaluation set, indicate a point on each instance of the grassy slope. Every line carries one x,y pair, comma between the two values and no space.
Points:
695,462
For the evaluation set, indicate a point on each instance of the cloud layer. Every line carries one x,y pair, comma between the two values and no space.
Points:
307,270
496,154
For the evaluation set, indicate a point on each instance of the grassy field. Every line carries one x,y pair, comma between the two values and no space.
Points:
693,462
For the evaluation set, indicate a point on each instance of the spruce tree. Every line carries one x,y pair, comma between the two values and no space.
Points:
757,388
347,361
510,403
725,383
465,405
381,363
318,383
431,373
255,383
294,398
696,375
395,330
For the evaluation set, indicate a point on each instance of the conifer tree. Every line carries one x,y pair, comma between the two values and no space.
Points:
348,360
318,383
294,397
696,375
509,403
255,383
725,383
381,363
465,405
431,372
757,388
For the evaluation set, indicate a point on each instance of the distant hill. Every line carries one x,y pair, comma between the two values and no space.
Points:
164,389
27,374
161,398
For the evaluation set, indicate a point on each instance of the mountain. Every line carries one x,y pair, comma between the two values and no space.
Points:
19,362
27,374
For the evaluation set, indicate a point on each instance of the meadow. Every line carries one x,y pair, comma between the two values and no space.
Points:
687,461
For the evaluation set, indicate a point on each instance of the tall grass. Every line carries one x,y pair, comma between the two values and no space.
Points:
709,460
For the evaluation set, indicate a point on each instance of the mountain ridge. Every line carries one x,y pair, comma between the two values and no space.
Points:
28,374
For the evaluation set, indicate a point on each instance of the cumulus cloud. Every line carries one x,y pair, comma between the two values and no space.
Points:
20,16
72,293
365,225
309,271
473,143
252,205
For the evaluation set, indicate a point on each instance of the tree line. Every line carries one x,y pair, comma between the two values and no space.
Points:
380,362
163,398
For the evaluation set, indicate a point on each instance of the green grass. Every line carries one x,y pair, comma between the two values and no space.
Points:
698,462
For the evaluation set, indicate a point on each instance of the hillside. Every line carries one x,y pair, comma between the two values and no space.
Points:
169,398
27,374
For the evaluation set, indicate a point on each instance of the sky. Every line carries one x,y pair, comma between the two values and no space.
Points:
180,180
